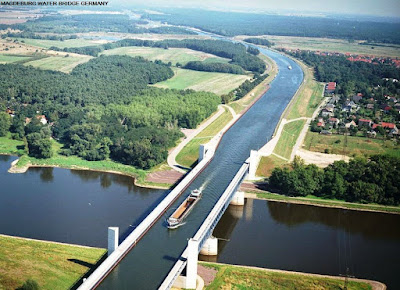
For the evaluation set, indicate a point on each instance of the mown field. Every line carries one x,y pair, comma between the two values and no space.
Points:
337,144
7,58
239,277
290,133
44,43
173,55
190,153
218,83
267,165
332,45
52,266
59,63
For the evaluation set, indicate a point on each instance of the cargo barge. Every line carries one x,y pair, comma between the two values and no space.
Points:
176,219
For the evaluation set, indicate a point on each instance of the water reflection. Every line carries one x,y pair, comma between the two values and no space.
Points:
5,157
368,224
45,173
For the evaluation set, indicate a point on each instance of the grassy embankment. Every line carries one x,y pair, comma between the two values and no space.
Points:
51,265
332,45
190,153
325,202
239,277
11,147
240,105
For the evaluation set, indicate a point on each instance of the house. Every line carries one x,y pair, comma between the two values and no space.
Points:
326,114
357,98
333,121
330,87
349,124
42,119
371,134
334,100
364,122
330,107
371,106
390,128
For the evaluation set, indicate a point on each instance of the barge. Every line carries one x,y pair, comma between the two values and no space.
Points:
176,219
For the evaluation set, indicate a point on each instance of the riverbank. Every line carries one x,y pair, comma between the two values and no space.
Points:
52,265
317,201
224,276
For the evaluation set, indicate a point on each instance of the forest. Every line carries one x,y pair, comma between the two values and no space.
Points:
232,24
259,41
234,51
92,22
215,67
103,109
364,180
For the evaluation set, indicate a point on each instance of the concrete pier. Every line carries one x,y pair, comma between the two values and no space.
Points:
210,247
202,151
191,267
254,160
113,239
238,198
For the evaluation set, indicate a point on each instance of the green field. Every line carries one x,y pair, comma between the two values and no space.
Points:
57,43
6,58
11,147
52,266
290,133
218,83
239,277
173,55
267,164
336,144
332,45
59,63
190,153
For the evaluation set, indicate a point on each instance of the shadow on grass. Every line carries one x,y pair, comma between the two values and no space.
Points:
91,267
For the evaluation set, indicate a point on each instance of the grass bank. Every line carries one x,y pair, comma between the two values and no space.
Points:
240,277
267,165
319,201
288,138
51,265
190,153
11,147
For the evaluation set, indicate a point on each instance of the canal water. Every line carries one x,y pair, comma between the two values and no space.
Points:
70,206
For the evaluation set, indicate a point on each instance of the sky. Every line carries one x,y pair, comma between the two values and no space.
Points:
365,7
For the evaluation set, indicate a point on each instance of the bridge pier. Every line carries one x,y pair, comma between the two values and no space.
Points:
113,239
238,198
210,247
253,164
202,151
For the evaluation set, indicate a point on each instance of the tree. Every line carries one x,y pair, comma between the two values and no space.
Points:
5,123
29,284
38,146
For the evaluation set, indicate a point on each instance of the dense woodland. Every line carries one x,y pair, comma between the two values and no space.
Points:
234,51
104,108
259,41
215,67
92,22
373,180
231,24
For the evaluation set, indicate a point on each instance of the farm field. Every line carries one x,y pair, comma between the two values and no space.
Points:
218,83
331,45
7,58
173,55
63,64
336,144
44,43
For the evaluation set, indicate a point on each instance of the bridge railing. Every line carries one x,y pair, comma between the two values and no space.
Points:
208,225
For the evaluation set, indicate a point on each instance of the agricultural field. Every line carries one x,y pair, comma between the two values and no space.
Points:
59,63
331,45
51,265
44,43
337,144
190,153
173,55
218,83
288,138
10,58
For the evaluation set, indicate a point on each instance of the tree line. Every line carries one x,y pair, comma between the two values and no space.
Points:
215,67
236,23
364,180
259,41
102,109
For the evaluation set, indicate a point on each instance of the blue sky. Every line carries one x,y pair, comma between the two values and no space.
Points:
366,7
